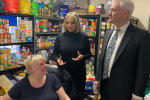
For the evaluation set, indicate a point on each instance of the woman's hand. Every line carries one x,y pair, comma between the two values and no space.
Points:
80,57
60,62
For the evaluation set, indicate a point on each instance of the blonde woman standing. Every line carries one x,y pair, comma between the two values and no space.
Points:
71,49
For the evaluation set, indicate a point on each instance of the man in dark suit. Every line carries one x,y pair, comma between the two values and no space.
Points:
124,64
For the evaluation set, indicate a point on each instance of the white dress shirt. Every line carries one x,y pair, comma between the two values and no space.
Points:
119,39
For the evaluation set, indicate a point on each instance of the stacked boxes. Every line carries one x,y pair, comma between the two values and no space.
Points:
28,33
24,32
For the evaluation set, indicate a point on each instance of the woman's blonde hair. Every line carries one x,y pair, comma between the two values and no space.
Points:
31,61
76,20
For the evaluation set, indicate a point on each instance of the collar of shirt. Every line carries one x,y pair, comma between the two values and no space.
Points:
124,27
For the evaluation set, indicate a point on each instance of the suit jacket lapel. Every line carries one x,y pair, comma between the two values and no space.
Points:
106,40
127,36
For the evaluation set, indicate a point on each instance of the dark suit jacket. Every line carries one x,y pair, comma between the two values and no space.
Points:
131,67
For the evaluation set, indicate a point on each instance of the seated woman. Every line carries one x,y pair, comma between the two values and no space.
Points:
38,85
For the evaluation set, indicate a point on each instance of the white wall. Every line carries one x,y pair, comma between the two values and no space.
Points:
141,11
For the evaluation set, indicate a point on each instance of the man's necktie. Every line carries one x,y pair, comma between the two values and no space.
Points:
109,53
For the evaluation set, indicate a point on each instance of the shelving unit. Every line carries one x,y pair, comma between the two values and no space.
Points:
20,43
55,20
98,30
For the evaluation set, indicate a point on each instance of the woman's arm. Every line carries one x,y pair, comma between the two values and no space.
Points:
6,97
62,95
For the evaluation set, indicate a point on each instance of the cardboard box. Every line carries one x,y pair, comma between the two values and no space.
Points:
29,36
83,3
22,24
28,25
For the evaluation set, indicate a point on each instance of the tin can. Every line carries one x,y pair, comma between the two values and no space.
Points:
1,56
1,21
16,60
8,40
1,66
4,26
5,61
5,35
16,65
9,61
5,56
9,66
8,35
5,66
1,30
9,56
12,65
6,30
5,40
1,40
1,50
40,11
9,52
7,21
2,61
1,25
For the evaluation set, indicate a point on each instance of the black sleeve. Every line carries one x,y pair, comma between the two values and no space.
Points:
56,52
87,54
15,91
56,83
143,66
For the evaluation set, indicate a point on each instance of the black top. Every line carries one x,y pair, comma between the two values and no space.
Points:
67,44
23,89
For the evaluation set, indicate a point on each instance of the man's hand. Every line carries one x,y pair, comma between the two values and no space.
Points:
60,62
97,84
80,57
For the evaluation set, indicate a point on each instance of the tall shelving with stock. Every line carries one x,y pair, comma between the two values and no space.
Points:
51,19
20,43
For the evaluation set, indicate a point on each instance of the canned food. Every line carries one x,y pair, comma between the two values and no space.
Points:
12,65
16,65
7,26
5,40
9,61
5,56
5,66
9,56
1,50
1,30
1,25
5,61
7,21
8,40
1,61
4,26
9,66
1,56
1,21
1,35
1,66
1,40
5,35
8,35
9,51
6,30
